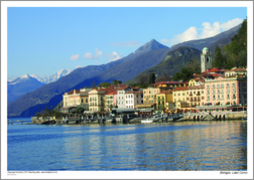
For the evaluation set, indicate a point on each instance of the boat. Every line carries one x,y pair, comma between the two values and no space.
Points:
147,121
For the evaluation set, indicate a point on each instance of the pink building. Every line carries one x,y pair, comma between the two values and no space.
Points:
226,91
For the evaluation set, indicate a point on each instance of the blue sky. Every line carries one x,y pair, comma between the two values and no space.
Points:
43,40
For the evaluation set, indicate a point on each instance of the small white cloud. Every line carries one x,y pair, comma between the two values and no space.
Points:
114,56
74,57
89,55
165,40
126,44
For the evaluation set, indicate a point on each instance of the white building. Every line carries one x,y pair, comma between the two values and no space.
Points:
132,98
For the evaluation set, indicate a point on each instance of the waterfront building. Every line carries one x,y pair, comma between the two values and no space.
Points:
96,100
180,97
75,98
226,91
236,72
133,98
109,100
164,101
206,59
120,100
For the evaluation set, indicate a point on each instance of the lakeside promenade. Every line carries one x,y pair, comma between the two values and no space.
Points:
204,116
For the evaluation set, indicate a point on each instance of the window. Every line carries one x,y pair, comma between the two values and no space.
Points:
218,91
222,85
174,94
208,98
228,97
234,97
227,85
213,86
178,94
218,86
137,95
218,96
213,91
207,86
233,84
213,97
208,92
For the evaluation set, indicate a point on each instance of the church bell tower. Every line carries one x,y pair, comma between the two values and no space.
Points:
206,59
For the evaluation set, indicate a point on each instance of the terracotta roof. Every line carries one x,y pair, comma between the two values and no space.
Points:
209,70
199,79
237,69
111,93
72,91
180,89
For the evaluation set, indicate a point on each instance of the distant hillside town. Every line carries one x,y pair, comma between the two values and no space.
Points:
214,89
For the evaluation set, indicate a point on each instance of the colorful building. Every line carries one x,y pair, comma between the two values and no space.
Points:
133,98
164,101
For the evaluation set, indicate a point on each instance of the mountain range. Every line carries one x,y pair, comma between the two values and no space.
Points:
85,76
21,86
149,57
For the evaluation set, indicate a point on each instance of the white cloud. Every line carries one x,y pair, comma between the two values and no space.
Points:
89,55
231,23
74,57
114,56
165,40
126,44
189,34
208,30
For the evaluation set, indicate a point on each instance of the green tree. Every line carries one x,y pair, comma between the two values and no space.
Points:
104,84
152,78
219,59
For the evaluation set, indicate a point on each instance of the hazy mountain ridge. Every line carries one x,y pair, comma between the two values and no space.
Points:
21,86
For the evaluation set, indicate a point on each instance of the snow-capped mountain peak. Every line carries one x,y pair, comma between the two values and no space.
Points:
52,78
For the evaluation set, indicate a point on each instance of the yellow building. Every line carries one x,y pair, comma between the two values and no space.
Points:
96,100
164,100
180,96
75,98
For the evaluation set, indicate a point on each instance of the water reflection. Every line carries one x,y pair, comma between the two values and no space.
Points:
177,146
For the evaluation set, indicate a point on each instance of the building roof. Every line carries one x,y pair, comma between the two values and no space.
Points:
236,69
111,93
199,79
72,91
214,70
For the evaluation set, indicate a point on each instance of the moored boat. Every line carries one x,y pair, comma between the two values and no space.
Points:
147,121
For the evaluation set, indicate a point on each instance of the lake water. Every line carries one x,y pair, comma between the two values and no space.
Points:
202,146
